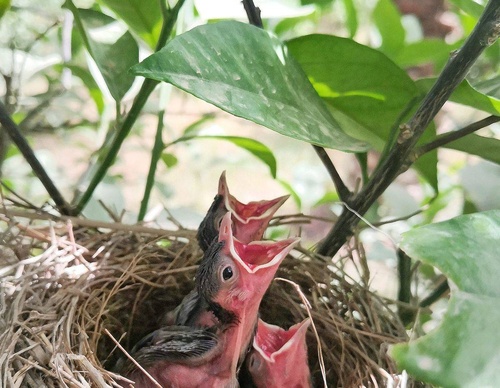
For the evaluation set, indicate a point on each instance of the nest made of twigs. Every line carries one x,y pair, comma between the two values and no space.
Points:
65,296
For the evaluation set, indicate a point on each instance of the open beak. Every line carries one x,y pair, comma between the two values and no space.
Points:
251,219
279,357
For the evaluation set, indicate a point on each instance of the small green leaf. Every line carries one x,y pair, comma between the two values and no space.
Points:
463,351
90,83
465,94
250,74
435,51
4,7
142,16
469,6
487,148
388,21
113,59
351,17
169,159
255,147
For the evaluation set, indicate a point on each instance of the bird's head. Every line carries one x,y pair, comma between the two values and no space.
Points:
235,275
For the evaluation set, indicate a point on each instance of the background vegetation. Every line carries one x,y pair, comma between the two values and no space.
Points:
399,100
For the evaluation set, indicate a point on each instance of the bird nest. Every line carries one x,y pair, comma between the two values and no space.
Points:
69,294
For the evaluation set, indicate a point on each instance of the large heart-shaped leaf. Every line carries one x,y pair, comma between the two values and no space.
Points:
463,351
248,73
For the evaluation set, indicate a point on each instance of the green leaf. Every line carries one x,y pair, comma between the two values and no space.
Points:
142,16
90,83
4,7
487,148
351,17
388,21
469,6
255,147
112,58
463,351
465,94
169,159
250,74
288,187
435,51
359,82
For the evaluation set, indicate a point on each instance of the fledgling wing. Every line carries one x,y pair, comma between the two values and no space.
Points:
174,344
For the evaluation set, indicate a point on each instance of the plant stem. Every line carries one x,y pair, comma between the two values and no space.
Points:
158,148
253,13
139,102
14,133
404,294
485,33
446,138
440,290
342,190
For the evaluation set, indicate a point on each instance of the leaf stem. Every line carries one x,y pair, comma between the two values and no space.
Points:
484,34
139,102
448,137
439,291
342,190
158,148
15,134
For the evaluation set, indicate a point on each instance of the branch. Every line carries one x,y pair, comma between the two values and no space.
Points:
440,290
485,33
14,133
147,88
253,13
342,190
446,138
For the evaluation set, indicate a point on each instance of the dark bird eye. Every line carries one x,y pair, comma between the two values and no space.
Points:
227,273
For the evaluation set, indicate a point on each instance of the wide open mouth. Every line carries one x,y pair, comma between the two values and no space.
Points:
271,341
252,210
256,255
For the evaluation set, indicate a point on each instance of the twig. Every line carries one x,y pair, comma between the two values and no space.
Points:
147,88
153,380
446,138
92,224
484,34
404,293
13,131
439,291
253,13
342,190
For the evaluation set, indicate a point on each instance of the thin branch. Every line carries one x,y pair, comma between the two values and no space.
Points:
147,88
253,13
440,290
18,139
404,294
342,190
484,34
158,148
448,137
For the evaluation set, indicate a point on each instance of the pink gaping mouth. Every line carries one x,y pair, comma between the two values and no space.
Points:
255,255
